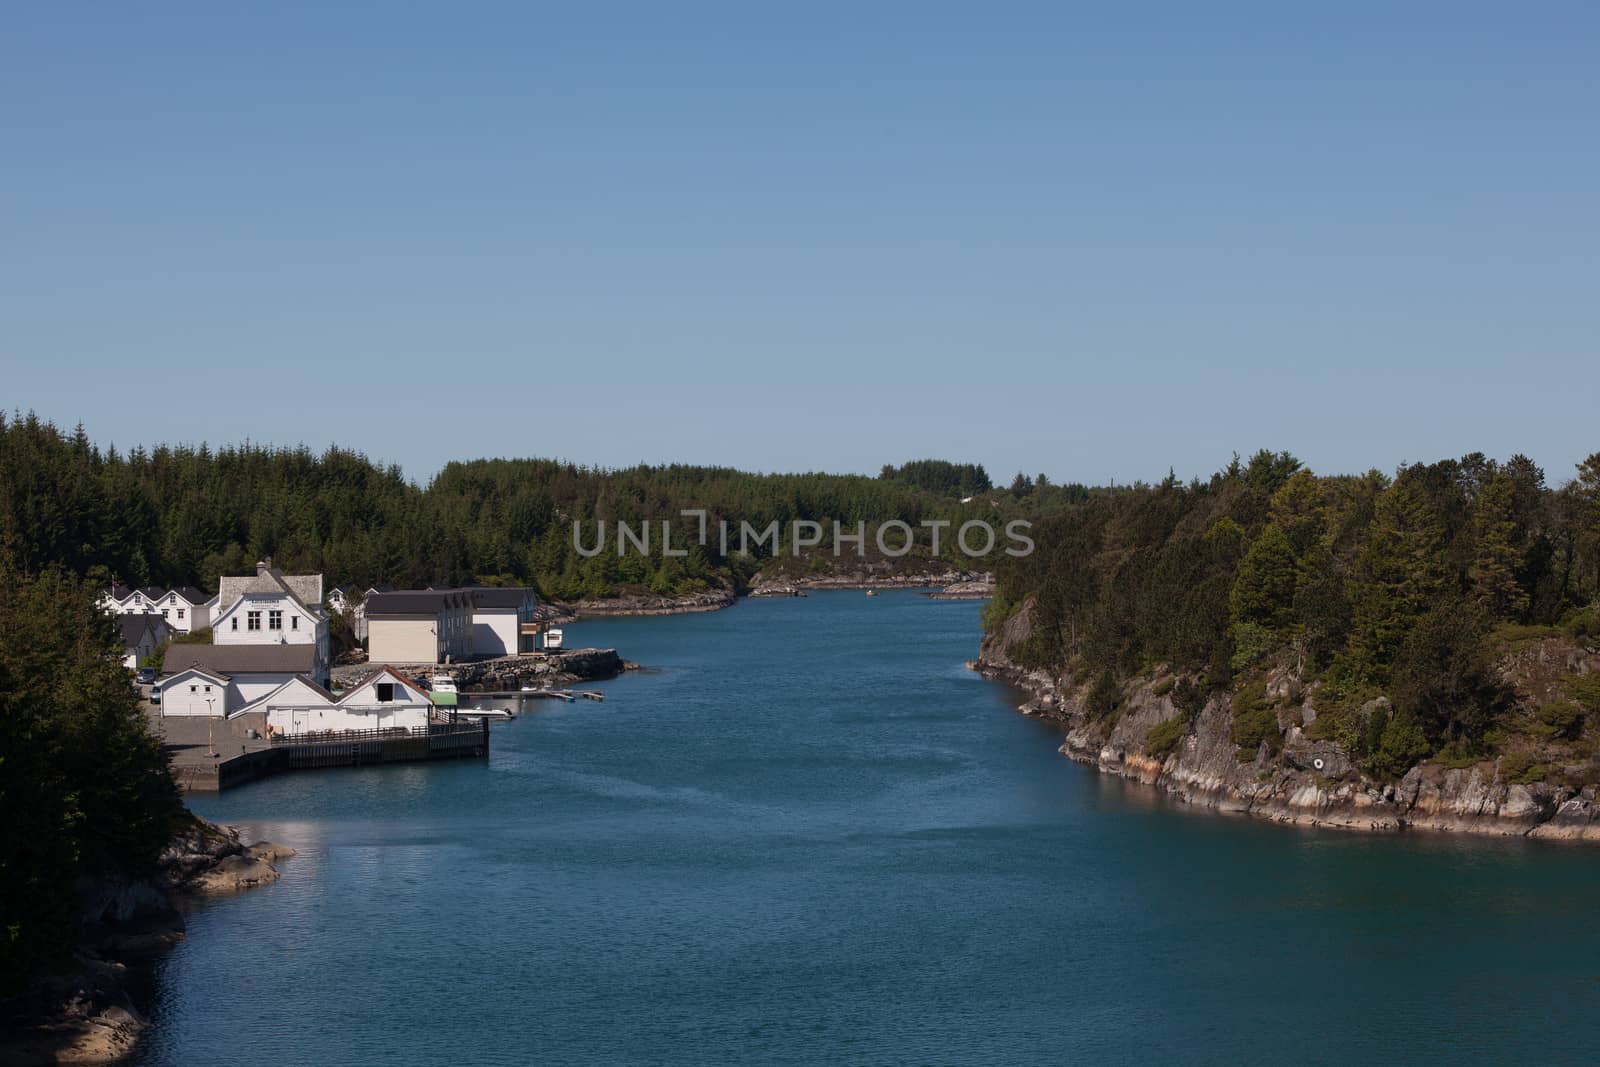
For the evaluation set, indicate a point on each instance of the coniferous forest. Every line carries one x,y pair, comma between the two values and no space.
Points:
182,516
1408,587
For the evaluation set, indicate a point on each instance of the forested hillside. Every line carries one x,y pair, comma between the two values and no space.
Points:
1410,587
179,515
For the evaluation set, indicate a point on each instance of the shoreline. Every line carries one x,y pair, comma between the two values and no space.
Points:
91,1015
1205,772
952,585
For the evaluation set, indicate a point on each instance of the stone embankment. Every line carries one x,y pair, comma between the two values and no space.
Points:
566,667
1308,781
90,1016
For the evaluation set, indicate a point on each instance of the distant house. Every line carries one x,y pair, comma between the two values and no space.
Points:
273,608
185,609
343,598
385,701
248,672
499,618
141,636
419,626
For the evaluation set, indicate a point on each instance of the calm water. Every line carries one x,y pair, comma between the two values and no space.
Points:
810,836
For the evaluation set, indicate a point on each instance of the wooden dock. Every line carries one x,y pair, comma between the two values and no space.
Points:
200,772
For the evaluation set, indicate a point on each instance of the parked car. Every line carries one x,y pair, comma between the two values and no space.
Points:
146,676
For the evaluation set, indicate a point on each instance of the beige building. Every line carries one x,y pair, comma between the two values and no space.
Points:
419,626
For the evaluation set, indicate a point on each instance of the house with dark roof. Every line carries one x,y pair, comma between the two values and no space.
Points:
272,608
247,673
419,626
141,636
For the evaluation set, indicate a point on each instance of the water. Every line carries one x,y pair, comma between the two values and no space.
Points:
810,836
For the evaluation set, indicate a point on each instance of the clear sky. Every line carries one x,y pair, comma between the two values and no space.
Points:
1092,240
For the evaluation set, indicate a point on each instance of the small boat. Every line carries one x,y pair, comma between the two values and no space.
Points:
442,688
872,592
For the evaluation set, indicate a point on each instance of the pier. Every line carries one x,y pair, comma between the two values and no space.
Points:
210,755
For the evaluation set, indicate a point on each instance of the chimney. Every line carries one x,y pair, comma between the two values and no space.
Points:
263,567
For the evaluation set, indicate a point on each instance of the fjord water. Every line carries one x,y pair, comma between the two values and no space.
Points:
808,835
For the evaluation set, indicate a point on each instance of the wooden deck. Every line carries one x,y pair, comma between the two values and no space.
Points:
204,772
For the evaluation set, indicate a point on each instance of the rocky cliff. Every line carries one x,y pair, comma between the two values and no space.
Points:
1298,778
90,1016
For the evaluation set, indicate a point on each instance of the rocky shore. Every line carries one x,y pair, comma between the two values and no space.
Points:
960,585
566,667
92,1016
1307,782
602,607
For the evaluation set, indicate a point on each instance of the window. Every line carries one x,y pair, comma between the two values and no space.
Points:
163,613
236,624
275,620
252,620
294,622
208,689
180,613
385,692
173,599
196,689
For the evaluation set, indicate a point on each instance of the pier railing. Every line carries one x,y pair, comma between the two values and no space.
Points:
432,730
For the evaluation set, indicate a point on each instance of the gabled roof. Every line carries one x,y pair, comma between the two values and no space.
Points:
117,591
153,592
389,673
303,589
190,593
498,596
241,659
134,627
220,679
407,602
298,682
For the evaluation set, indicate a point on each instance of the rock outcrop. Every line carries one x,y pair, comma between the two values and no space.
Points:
1301,779
89,1016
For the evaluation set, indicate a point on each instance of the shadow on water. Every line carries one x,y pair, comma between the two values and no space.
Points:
812,837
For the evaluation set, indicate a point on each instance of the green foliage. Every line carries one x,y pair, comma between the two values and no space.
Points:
184,516
1189,698
1104,697
1559,720
1442,674
85,787
1163,687
1585,689
1523,768
1400,744
940,477
1165,737
1255,719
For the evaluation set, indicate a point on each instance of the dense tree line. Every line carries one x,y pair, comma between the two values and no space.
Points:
1369,585
84,786
182,515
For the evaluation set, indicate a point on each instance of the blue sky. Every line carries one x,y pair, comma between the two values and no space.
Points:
1097,241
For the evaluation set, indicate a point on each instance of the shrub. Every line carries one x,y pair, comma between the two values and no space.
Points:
1559,719
1255,719
1401,745
1520,768
1585,689
1163,687
1189,699
1165,737
1105,697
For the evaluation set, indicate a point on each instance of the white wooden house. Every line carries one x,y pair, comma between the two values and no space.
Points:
272,608
193,691
385,701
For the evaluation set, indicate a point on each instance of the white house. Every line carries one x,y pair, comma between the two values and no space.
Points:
499,616
249,672
419,626
384,701
193,691
272,608
185,608
141,636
